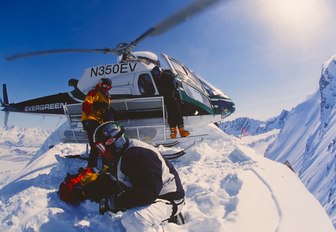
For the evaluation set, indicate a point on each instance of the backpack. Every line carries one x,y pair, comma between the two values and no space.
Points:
87,184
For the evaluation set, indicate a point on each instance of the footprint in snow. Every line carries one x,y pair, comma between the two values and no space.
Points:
232,185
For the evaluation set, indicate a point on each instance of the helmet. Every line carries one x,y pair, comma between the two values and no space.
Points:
107,82
111,135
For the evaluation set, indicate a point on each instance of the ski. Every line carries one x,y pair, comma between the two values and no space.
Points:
76,157
167,144
195,136
173,142
174,155
178,154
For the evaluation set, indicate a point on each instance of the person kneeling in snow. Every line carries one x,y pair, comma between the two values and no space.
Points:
150,190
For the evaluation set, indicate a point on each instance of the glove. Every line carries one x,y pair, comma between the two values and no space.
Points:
99,105
108,204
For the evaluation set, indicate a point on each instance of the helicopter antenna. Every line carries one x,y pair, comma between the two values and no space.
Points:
123,50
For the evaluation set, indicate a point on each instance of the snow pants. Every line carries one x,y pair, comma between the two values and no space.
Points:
175,117
149,218
90,126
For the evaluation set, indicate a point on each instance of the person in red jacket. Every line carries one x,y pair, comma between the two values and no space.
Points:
95,111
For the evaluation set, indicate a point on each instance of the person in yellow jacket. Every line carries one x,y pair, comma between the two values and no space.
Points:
95,111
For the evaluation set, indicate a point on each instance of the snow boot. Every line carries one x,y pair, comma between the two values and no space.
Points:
173,132
183,132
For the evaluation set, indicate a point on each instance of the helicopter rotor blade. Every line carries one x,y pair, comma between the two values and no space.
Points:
70,50
175,19
124,48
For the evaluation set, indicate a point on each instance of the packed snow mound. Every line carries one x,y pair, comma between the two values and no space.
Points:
229,187
308,140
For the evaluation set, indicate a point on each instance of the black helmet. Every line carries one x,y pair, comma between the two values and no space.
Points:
106,84
110,134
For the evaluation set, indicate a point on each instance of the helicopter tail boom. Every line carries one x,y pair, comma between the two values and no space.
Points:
51,104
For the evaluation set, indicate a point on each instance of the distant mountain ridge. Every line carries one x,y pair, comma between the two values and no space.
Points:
253,126
30,137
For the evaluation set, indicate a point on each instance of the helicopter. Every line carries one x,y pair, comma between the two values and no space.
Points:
135,97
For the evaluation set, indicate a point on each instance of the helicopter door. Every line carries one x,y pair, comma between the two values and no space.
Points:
191,89
171,66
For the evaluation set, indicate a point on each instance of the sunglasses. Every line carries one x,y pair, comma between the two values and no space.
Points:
107,86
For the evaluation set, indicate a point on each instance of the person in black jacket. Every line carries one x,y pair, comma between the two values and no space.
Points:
167,88
149,189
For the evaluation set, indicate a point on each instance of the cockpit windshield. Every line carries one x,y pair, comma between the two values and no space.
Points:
212,90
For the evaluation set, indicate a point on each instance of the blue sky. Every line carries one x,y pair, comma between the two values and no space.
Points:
265,54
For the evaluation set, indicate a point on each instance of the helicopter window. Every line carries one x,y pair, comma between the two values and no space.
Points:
196,95
187,74
180,69
146,86
212,91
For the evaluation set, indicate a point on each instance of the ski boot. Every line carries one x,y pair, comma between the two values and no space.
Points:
173,132
183,132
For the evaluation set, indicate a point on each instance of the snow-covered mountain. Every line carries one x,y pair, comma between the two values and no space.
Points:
229,187
255,133
247,126
308,140
305,137
18,145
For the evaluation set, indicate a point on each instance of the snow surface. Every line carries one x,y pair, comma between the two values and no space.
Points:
229,187
260,142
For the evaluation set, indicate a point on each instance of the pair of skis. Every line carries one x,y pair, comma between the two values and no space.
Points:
168,156
178,154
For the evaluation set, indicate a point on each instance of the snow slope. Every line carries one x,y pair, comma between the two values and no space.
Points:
229,187
308,140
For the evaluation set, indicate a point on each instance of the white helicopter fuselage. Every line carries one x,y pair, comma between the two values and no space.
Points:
123,75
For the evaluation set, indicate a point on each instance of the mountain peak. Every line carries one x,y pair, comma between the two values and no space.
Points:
328,89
